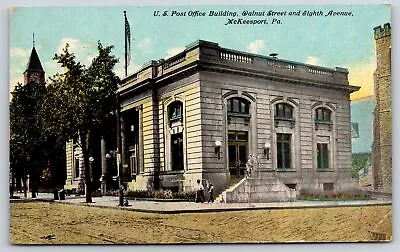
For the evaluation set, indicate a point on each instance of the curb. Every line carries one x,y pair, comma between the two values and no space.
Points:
203,210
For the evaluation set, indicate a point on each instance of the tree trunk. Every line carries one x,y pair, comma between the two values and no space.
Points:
33,190
88,192
24,185
33,181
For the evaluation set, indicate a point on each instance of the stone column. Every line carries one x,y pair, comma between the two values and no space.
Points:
104,168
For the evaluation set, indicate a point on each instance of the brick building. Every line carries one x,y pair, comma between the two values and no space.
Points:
382,143
200,113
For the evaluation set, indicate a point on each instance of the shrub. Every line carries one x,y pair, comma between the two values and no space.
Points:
167,194
352,194
191,195
162,194
138,194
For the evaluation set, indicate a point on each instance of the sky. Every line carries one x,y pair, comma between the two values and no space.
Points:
344,41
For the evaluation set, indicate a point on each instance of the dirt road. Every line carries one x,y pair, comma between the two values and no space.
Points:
51,223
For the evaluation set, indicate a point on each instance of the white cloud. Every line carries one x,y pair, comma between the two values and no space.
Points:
256,46
73,43
120,70
19,52
83,52
312,60
51,68
173,51
144,44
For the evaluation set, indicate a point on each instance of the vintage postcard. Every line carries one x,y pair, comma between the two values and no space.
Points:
200,124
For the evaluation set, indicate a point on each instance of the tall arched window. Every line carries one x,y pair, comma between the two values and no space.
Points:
175,136
323,115
175,111
283,111
238,105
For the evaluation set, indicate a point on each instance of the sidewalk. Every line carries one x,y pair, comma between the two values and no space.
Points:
192,207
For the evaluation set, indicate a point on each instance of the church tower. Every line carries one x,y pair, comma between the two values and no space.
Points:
34,70
382,144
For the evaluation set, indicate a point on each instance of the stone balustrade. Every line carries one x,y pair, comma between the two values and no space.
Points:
203,52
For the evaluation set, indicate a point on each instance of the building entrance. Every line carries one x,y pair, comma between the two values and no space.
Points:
237,152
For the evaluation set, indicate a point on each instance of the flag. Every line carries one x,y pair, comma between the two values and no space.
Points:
128,39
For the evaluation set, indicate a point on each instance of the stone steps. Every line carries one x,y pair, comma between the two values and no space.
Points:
257,190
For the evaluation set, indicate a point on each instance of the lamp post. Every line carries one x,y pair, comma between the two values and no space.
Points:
218,148
103,178
91,160
267,148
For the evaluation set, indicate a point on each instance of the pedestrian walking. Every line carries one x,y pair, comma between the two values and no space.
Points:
199,192
210,193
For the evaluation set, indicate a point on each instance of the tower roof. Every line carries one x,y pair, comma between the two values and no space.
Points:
34,62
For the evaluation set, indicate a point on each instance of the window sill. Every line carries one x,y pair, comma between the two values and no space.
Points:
175,122
175,118
323,122
286,170
324,170
284,119
277,120
234,114
320,123
177,172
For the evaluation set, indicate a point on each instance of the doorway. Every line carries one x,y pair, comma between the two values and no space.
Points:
177,151
237,152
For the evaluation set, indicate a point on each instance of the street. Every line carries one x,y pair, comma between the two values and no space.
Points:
53,223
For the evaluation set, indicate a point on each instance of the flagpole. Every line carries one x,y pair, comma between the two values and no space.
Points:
119,138
126,47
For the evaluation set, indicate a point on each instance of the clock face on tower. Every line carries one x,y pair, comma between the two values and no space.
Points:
34,77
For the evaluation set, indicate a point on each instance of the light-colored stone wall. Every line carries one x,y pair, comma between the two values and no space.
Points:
156,147
73,182
213,85
203,77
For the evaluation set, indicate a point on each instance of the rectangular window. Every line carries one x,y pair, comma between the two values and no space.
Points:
177,151
76,167
322,156
283,146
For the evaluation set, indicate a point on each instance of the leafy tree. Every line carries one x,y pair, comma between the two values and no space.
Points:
360,161
26,139
79,101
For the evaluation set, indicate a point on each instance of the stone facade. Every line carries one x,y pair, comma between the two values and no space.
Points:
382,143
103,167
199,114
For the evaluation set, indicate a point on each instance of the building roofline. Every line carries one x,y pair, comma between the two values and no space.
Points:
215,45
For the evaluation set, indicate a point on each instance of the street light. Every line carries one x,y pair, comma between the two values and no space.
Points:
267,148
103,178
91,160
218,148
